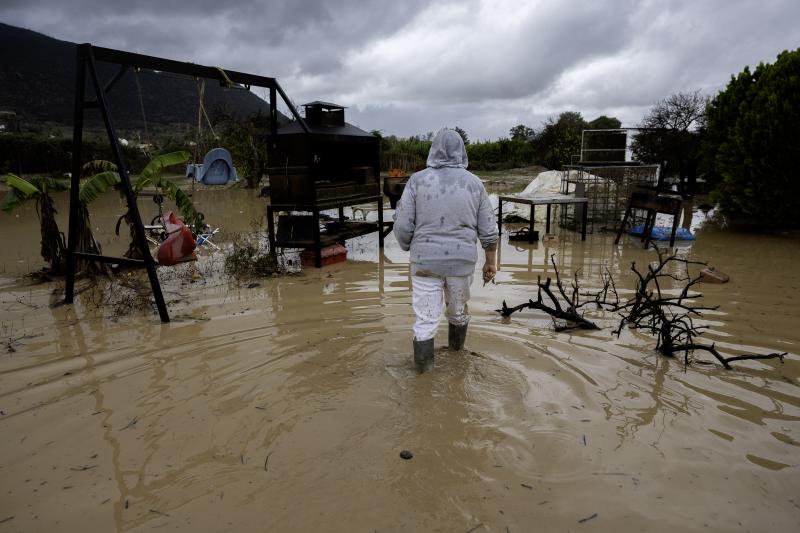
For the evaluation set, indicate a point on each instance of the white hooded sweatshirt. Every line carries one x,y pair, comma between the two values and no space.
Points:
444,211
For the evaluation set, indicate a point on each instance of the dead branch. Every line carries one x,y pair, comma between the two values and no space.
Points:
670,319
725,361
567,312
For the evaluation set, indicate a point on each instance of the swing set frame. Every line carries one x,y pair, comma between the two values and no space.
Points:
87,57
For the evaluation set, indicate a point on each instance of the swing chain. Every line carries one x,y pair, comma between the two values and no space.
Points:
145,147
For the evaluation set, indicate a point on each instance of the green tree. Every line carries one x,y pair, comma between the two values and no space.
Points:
242,138
605,123
753,144
560,139
408,155
521,132
671,133
464,136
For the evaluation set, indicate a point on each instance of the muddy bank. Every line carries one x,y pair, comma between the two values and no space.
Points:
284,406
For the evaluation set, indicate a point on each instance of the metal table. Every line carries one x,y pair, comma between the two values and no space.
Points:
543,199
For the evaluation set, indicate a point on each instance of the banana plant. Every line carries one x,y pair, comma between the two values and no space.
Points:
151,177
103,175
38,189
53,249
99,176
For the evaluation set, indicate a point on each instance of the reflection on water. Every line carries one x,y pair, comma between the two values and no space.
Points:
284,406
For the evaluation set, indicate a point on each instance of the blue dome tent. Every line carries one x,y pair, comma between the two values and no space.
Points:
217,168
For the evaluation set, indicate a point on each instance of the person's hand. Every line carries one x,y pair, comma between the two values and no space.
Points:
489,272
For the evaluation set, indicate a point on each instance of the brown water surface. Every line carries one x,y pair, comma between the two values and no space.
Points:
283,406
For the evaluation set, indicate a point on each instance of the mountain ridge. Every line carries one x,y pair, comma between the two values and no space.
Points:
37,83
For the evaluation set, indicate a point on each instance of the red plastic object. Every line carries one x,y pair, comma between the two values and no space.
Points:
171,222
330,254
178,245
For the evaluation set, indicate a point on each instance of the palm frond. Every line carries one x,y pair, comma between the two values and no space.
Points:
22,186
96,166
12,200
96,185
21,190
48,184
152,171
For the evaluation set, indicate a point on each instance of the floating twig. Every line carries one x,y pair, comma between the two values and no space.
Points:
582,520
266,461
131,423
83,467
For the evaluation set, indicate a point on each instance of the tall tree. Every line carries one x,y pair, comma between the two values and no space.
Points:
671,133
753,144
521,132
463,134
605,123
560,140
242,137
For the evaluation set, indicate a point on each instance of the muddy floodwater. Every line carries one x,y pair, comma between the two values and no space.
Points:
282,404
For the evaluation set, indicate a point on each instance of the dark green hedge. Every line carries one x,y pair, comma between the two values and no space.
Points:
27,153
753,144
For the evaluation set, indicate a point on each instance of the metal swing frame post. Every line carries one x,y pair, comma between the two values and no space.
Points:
85,58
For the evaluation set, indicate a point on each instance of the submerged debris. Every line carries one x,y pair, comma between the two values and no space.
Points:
670,319
250,259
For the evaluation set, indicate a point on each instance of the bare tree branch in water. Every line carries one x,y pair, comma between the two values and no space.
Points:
670,319
568,311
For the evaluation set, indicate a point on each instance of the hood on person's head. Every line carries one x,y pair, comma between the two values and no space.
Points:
447,150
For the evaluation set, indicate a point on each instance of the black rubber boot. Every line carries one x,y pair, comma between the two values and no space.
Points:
456,336
423,355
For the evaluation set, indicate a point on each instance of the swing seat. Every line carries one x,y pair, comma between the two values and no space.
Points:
179,243
217,168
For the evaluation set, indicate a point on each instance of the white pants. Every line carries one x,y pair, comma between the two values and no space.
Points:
427,298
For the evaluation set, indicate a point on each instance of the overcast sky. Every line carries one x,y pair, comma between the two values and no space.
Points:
412,66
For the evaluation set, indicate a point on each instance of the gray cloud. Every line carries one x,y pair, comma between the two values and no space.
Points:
410,67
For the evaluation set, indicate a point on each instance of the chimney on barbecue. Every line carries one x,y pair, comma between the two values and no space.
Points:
324,114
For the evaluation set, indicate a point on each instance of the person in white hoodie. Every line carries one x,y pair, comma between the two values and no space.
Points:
443,212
